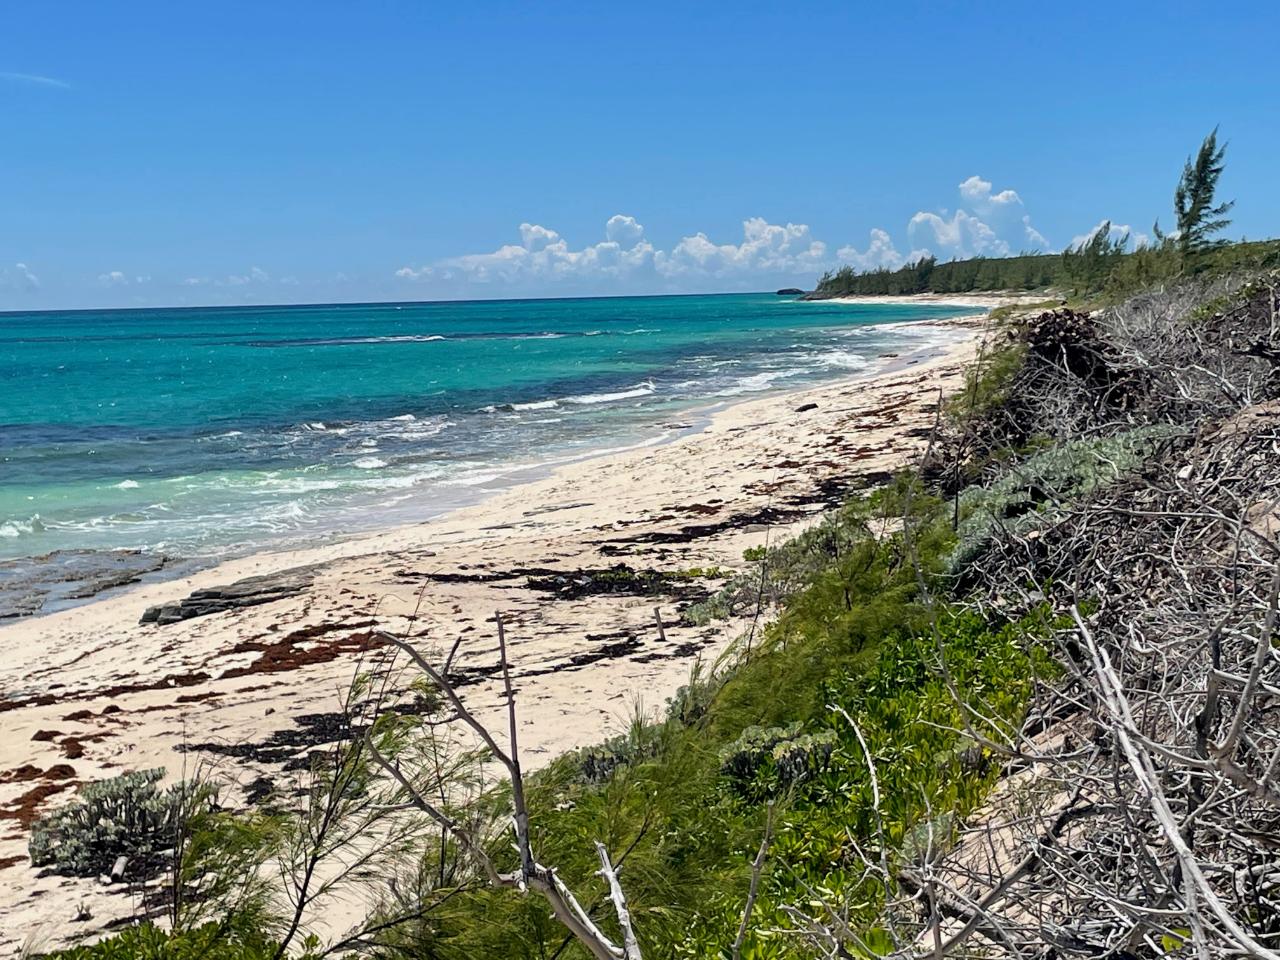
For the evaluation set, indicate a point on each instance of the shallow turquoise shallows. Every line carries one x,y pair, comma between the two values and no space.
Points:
204,432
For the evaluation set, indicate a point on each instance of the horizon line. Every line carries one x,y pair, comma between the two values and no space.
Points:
390,303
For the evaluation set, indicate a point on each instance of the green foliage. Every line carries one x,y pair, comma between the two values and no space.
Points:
764,761
1034,271
987,382
682,802
148,942
1198,217
1087,266
1098,264
129,816
640,742
1028,491
780,572
1089,269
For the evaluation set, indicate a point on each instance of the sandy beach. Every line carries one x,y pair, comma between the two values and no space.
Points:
987,301
92,691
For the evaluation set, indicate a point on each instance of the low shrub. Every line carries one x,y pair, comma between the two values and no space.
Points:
207,942
1028,491
126,816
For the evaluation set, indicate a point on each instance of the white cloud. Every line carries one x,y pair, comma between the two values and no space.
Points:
1136,237
766,248
880,252
989,223
536,238
1037,239
34,79
623,230
626,259
962,235
543,255
977,193
113,278
255,275
19,277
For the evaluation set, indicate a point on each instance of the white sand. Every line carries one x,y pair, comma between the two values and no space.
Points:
988,301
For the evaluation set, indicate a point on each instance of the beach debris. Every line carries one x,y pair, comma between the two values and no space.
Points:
806,407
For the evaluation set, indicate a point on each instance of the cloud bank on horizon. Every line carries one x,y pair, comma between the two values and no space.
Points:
987,223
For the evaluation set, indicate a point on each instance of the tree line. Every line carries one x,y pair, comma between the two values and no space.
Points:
1101,262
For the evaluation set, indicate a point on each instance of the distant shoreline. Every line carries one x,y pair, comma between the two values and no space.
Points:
988,301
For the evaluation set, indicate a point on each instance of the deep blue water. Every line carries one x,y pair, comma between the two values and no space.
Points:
200,432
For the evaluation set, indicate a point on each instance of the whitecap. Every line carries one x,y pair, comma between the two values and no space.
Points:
845,359
12,529
369,463
639,390
127,485
536,405
758,382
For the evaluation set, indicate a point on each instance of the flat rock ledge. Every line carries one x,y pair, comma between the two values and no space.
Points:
249,592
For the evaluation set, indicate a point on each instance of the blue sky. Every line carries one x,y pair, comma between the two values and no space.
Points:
160,153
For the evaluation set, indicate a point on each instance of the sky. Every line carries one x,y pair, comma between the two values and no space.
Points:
287,152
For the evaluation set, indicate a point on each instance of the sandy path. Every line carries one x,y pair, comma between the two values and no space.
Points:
90,692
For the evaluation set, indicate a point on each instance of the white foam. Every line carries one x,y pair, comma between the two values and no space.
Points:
127,485
843,359
369,463
589,399
758,382
401,338
537,405
12,529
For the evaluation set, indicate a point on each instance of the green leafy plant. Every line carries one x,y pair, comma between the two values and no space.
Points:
127,816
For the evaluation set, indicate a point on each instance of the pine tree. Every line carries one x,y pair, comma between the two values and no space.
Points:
1197,215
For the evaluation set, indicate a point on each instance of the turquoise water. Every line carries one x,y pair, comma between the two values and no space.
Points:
204,432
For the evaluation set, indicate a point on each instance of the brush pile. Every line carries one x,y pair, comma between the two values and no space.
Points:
1140,813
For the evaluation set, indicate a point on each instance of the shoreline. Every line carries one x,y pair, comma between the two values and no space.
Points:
92,692
986,301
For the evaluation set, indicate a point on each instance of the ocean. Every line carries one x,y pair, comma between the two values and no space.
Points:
206,432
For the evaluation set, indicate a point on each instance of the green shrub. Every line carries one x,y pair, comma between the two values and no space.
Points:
125,816
741,760
1027,493
148,942
640,742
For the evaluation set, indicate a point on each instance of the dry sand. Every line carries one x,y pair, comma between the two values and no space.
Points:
90,692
